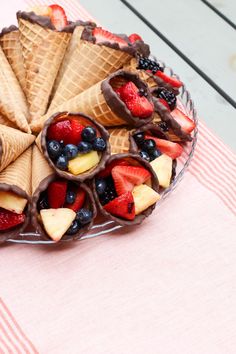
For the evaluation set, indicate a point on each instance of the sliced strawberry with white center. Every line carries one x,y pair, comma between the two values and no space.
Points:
134,37
126,177
58,17
167,147
102,36
122,206
173,81
184,121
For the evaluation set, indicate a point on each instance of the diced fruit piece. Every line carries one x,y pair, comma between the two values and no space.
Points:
12,202
62,162
144,196
89,134
9,220
135,37
184,121
84,216
58,17
162,101
61,130
79,201
126,177
162,166
103,36
122,206
108,169
128,91
174,82
167,147
57,221
42,10
76,131
54,149
57,194
140,107
83,163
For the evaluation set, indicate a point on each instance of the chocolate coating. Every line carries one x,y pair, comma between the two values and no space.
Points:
155,185
6,30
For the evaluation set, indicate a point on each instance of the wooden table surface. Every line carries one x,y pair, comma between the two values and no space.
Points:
197,38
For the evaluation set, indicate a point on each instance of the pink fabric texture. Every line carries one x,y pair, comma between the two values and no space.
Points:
165,287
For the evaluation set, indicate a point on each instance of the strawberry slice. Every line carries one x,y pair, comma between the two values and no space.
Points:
126,177
174,82
58,17
57,194
122,206
102,36
167,147
107,172
164,102
60,131
128,91
79,201
134,37
8,219
77,129
184,121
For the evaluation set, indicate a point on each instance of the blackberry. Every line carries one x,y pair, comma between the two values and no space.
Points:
164,126
168,96
148,64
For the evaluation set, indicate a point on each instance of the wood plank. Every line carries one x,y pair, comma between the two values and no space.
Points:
226,7
212,108
199,33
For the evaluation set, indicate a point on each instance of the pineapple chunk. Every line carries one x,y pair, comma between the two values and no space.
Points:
57,221
162,166
144,197
42,10
12,202
83,163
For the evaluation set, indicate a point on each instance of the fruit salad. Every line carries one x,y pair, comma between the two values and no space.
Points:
121,187
65,208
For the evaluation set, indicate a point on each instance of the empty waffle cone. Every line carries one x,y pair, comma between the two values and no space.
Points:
43,49
103,104
119,140
10,43
12,144
16,178
13,103
89,63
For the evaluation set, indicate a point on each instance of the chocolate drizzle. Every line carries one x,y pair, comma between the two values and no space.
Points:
7,30
137,160
117,105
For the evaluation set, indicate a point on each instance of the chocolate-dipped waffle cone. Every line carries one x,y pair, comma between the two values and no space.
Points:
103,104
16,178
162,114
12,144
12,99
136,160
42,176
89,63
10,43
85,120
43,49
119,140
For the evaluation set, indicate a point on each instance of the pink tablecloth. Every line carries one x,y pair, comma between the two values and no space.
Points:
166,287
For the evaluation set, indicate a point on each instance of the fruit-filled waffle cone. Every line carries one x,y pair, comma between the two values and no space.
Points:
10,43
133,205
103,104
15,189
12,144
119,140
43,49
13,103
89,63
42,177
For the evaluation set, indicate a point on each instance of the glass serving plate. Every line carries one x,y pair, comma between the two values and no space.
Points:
103,226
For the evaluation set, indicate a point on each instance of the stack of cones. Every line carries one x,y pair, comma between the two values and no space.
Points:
119,140
12,144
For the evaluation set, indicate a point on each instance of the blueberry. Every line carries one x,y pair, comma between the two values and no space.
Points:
70,151
101,186
62,144
139,138
70,197
145,155
99,144
84,147
74,228
109,193
89,134
84,216
62,162
156,153
149,145
54,149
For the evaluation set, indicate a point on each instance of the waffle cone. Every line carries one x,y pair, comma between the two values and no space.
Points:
43,50
12,144
89,63
40,169
18,173
12,100
6,122
119,140
10,44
